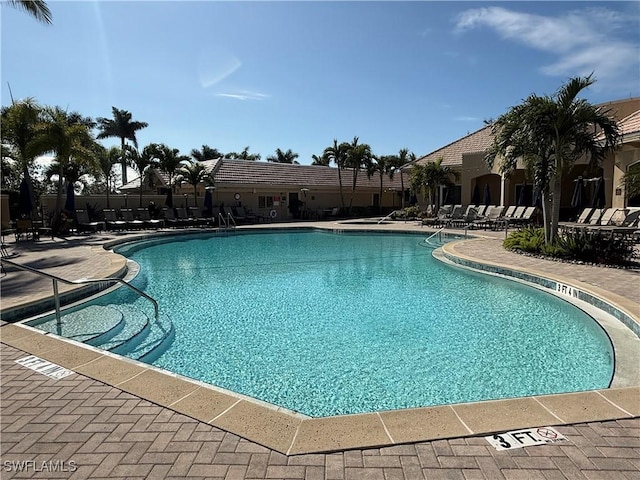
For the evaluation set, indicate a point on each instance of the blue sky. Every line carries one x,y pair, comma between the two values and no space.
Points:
296,75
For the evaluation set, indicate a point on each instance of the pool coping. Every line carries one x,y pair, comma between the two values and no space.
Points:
292,433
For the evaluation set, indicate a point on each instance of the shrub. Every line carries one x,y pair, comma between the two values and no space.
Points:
527,240
593,246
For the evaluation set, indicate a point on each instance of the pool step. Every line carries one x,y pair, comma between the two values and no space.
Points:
136,322
159,337
93,324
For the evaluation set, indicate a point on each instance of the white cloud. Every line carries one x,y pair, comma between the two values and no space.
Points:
244,95
584,41
465,118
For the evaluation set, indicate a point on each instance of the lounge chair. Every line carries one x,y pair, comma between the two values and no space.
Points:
170,218
195,213
490,220
145,217
184,218
111,220
246,215
131,221
628,226
582,220
85,224
527,217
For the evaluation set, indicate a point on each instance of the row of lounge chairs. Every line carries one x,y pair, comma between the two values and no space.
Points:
482,216
616,221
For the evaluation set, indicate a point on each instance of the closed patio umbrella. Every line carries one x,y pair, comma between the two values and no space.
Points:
536,201
208,201
169,201
598,197
522,198
70,203
578,199
487,195
475,198
25,205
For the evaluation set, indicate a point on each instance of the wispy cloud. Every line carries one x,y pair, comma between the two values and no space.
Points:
584,41
244,95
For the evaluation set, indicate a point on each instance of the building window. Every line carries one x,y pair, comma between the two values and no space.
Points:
265,202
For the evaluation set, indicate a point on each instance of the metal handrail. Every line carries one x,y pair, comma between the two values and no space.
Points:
231,219
221,220
438,232
82,281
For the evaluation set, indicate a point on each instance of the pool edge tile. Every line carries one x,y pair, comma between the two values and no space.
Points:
502,415
625,398
330,434
581,407
266,426
204,404
158,387
110,369
420,424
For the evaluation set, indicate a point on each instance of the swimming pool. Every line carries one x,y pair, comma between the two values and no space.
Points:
326,323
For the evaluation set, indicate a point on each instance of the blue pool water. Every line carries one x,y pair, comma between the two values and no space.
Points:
325,323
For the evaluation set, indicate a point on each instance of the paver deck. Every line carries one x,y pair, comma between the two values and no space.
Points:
94,430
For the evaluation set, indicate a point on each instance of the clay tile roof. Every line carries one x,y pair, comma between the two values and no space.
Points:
475,142
630,124
269,173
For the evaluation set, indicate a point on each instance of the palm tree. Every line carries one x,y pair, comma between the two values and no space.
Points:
170,162
283,157
244,155
383,165
107,158
193,173
338,155
631,181
19,131
36,8
144,162
428,178
205,153
358,156
68,136
401,160
550,134
124,128
322,160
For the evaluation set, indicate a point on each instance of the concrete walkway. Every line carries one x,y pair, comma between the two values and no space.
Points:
86,429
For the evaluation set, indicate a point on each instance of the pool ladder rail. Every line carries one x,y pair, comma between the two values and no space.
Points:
438,234
227,221
82,281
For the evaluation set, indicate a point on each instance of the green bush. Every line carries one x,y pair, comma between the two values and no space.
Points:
592,246
527,240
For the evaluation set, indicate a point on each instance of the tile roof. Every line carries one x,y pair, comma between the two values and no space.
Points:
235,172
630,124
451,154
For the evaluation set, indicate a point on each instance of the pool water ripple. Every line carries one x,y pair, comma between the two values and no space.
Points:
329,324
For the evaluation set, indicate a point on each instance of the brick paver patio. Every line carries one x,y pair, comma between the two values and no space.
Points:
78,427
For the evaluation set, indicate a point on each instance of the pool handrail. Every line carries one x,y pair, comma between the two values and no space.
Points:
437,232
82,281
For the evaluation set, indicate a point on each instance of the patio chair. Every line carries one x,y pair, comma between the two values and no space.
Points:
25,230
85,224
131,221
145,218
490,220
170,219
111,220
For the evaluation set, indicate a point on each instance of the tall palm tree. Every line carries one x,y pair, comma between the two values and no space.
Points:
107,159
283,157
322,160
428,178
551,133
193,173
401,160
170,162
244,155
18,133
144,163
337,153
205,153
68,136
358,156
123,127
383,165
36,8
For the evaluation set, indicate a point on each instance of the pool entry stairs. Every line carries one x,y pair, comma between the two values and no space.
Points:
123,329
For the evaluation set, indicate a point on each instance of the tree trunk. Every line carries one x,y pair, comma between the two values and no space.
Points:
402,186
546,216
353,188
340,183
555,209
123,163
380,201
